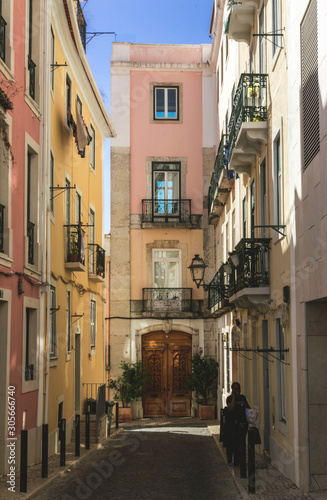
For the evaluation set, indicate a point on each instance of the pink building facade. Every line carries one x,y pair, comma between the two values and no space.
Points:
20,228
161,161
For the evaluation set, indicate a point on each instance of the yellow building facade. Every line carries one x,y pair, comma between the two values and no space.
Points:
77,125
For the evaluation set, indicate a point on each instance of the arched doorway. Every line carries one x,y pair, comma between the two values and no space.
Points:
168,357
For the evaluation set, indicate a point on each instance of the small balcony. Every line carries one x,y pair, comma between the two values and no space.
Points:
2,228
30,240
240,22
221,183
249,273
75,248
165,211
32,72
248,127
96,263
3,25
219,292
166,300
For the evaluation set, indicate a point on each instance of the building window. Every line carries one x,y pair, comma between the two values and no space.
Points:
30,343
32,183
166,103
252,208
52,56
92,148
166,268
68,321
33,45
5,194
263,197
227,239
52,194
276,25
92,323
68,99
310,85
244,216
278,181
78,207
92,252
222,65
262,42
166,188
233,230
53,320
281,372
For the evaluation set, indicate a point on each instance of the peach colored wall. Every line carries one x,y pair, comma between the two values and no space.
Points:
166,53
166,139
140,239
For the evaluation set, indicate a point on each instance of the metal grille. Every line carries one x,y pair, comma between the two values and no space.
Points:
167,300
166,211
220,163
310,85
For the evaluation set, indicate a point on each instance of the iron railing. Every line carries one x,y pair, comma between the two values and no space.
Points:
167,299
96,260
2,227
32,71
75,244
30,238
220,163
219,289
3,25
249,104
166,210
252,270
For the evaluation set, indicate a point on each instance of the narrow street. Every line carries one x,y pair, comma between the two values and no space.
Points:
175,463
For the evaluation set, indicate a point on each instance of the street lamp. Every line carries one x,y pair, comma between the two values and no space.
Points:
197,269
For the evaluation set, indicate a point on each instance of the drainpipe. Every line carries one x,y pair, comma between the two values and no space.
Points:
45,228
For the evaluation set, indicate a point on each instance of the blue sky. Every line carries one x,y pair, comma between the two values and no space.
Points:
139,21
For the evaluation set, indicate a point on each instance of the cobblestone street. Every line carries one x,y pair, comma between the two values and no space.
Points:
155,463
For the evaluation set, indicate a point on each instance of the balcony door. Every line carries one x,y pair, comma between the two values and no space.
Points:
166,189
168,357
166,280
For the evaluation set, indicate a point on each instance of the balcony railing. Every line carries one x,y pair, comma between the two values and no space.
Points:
2,227
252,270
219,289
75,251
3,25
167,299
217,199
249,105
96,260
166,211
30,238
32,71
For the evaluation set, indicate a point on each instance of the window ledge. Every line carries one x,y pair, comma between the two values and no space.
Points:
6,71
68,355
33,105
32,271
5,260
53,361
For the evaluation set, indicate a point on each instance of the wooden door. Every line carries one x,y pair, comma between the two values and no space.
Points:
167,356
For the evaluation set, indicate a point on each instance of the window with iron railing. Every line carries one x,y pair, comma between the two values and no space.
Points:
2,211
3,25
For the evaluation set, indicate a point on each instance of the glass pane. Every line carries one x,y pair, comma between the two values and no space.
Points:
172,103
159,192
160,103
172,254
173,275
159,275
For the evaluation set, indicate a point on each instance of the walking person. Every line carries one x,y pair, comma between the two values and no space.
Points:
236,405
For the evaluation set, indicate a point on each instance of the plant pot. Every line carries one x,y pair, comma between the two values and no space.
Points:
72,257
125,414
207,412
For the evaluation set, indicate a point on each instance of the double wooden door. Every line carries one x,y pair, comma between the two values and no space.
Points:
168,357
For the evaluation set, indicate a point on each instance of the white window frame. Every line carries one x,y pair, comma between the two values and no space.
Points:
7,66
31,147
33,305
167,259
6,197
93,322
92,149
166,88
278,188
53,323
275,27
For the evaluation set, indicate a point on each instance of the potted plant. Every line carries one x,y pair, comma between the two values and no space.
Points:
73,255
129,387
203,381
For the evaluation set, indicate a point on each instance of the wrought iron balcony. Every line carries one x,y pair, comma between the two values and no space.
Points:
166,300
248,123
163,211
75,247
249,278
2,227
240,21
219,291
30,238
3,25
221,181
32,72
96,262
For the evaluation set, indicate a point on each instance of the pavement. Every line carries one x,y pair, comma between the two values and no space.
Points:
270,483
